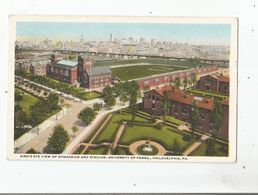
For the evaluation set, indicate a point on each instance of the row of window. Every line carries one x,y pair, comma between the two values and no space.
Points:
98,85
60,71
101,81
108,76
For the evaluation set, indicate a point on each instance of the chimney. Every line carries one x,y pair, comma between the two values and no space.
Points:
55,58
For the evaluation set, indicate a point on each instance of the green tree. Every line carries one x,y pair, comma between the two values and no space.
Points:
75,129
210,149
178,83
185,82
87,115
18,96
61,101
109,99
176,147
58,140
217,114
123,98
117,89
97,107
194,79
32,151
165,104
52,101
133,92
194,118
21,119
17,108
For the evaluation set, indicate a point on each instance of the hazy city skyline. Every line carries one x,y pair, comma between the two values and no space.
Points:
208,34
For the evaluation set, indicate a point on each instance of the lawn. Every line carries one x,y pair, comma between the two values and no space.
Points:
189,63
168,118
98,151
90,95
165,136
174,120
121,151
201,151
108,134
64,87
139,71
27,100
207,93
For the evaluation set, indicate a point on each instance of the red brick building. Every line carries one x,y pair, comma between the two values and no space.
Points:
81,72
163,79
225,120
62,70
181,107
93,77
215,83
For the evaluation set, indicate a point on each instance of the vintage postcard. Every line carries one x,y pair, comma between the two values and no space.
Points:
122,88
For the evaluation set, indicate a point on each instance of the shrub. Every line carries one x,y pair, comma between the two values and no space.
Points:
32,151
18,97
87,115
158,126
187,137
197,136
97,106
58,140
223,149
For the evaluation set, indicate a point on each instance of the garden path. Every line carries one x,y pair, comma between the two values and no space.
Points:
117,138
133,147
96,134
195,145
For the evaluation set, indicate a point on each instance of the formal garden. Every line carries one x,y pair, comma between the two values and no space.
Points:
146,136
133,131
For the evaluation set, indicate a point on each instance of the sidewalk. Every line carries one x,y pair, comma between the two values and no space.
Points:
195,145
88,130
27,137
117,138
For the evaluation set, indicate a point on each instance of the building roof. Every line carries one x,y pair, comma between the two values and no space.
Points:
100,70
40,63
223,79
219,77
67,63
178,95
206,103
225,102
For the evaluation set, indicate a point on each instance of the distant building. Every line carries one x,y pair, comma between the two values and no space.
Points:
151,82
39,68
181,107
110,37
215,83
81,72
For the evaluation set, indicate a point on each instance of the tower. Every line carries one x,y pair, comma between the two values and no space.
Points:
81,40
110,37
84,69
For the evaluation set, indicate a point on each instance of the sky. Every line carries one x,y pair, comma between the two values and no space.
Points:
212,34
